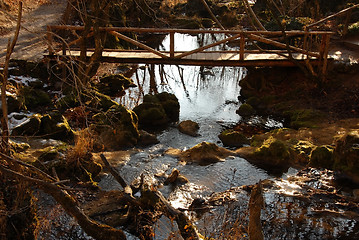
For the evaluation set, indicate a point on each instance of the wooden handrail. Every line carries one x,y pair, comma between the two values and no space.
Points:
268,37
190,31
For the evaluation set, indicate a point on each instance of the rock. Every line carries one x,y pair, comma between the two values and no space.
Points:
304,118
157,111
116,129
273,155
151,115
49,155
203,153
175,178
189,127
13,104
52,125
346,155
147,139
245,110
114,85
28,128
232,138
322,157
33,98
302,150
19,146
55,126
170,104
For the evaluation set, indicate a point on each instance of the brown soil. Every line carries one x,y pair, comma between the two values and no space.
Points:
37,14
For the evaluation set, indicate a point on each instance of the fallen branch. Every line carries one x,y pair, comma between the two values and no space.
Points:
256,204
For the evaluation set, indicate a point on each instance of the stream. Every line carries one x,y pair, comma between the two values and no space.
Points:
301,204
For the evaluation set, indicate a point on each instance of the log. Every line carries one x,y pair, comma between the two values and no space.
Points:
256,204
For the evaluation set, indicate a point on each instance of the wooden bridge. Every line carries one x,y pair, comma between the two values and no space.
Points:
288,47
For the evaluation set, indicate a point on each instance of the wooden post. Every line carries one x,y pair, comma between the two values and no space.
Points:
153,86
242,45
172,44
346,23
49,40
324,55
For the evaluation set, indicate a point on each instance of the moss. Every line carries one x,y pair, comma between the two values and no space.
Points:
245,110
353,28
19,147
273,152
233,138
346,154
49,155
114,85
304,118
322,157
205,153
33,98
70,100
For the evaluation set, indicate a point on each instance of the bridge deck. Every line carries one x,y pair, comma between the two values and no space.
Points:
217,58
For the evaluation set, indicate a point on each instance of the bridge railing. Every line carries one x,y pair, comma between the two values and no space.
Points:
311,44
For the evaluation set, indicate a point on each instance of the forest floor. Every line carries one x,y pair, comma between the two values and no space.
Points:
37,14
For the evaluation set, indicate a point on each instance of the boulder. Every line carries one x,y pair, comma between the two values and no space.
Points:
203,153
33,98
55,126
117,128
346,155
157,111
232,138
52,125
245,110
28,128
189,127
273,155
114,85
322,157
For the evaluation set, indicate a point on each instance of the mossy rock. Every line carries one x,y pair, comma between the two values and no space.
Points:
49,155
101,101
33,98
231,138
55,126
205,153
114,85
170,104
19,146
151,115
346,155
70,100
28,128
302,150
273,152
117,128
13,104
322,157
304,118
245,110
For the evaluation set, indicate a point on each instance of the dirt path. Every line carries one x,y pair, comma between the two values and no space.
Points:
31,44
